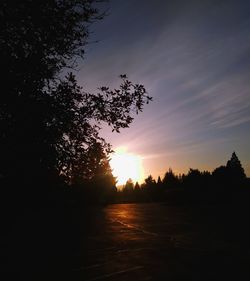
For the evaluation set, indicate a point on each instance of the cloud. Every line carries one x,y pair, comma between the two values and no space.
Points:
194,59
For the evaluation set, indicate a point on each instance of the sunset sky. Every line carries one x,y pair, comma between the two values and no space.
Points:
194,59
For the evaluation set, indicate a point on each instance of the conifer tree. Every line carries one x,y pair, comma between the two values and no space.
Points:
235,168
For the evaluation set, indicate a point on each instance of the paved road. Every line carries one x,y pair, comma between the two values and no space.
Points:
158,242
134,242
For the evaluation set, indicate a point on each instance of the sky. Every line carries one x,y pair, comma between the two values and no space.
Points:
193,57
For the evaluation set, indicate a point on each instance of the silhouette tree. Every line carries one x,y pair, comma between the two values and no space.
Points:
220,176
235,168
150,188
137,186
193,179
49,125
159,181
128,191
231,175
150,182
129,185
170,180
103,183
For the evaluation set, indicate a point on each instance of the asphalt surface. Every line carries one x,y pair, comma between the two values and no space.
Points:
133,242
159,242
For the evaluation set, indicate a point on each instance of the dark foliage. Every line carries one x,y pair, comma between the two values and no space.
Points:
170,180
49,133
49,126
235,169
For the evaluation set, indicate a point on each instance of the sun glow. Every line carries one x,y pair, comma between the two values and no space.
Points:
126,165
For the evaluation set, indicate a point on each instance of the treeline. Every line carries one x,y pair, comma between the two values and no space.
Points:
52,153
222,184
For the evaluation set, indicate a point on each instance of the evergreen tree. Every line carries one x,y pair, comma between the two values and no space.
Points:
235,168
129,186
159,181
137,186
170,180
150,182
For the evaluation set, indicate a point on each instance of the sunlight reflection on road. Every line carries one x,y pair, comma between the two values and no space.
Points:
157,242
131,224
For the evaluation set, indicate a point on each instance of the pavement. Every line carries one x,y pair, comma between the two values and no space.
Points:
160,242
130,242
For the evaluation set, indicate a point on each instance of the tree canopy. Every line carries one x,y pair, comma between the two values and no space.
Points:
49,124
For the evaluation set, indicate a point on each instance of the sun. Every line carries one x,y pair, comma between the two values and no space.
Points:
126,166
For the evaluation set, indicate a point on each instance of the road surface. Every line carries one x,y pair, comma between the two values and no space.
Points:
131,242
159,242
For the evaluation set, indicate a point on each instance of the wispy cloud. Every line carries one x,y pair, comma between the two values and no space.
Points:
194,59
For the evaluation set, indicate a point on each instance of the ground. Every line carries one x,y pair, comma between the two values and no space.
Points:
133,242
159,242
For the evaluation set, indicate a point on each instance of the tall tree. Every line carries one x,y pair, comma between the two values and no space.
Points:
170,180
236,173
49,125
137,186
129,186
159,181
150,182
